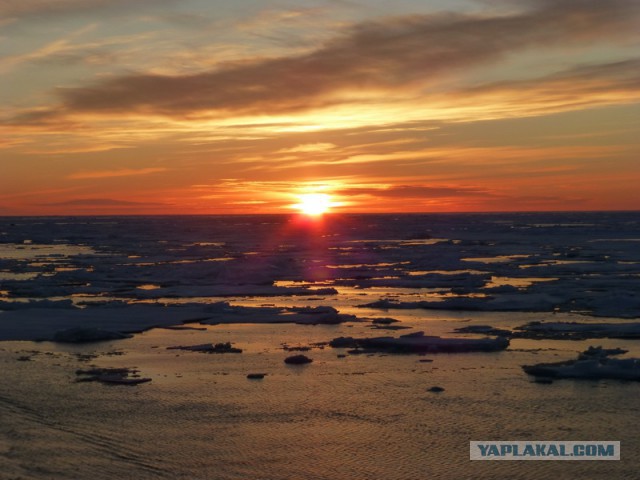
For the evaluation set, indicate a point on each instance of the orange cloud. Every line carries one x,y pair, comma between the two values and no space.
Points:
308,148
412,191
125,172
100,202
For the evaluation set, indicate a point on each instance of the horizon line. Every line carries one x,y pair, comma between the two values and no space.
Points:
329,214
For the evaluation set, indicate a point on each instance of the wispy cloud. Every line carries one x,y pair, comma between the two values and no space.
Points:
47,8
268,17
446,158
100,202
124,172
308,148
449,198
54,192
577,87
413,191
74,48
51,48
247,202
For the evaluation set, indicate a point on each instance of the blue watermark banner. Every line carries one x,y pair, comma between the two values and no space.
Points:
547,450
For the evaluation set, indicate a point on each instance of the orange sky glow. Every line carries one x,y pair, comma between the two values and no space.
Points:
211,107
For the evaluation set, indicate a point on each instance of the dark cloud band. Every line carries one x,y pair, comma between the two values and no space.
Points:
396,53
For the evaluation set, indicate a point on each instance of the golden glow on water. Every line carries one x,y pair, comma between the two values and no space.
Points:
356,417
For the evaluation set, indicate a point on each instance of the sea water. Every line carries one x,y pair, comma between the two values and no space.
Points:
340,417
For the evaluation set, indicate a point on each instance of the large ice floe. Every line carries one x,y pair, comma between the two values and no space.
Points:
593,364
578,331
115,320
418,342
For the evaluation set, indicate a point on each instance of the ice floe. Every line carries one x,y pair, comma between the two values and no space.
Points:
113,318
225,347
418,342
575,330
297,360
593,364
112,376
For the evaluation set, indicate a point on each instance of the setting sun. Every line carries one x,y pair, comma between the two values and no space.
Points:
313,203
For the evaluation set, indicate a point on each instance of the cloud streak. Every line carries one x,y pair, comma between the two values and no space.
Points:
47,8
99,202
125,172
413,191
585,85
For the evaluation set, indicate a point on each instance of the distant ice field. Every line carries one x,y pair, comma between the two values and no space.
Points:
584,263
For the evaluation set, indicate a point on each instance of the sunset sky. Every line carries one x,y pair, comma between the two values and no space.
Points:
215,107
